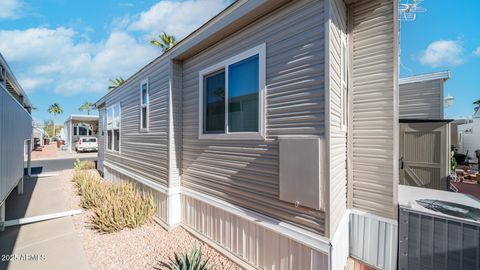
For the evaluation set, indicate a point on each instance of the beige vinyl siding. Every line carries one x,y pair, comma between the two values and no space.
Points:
338,139
246,172
374,115
421,100
143,153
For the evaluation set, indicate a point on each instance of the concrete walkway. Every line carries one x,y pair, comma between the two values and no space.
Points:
52,244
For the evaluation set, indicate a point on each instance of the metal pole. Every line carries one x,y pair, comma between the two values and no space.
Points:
29,159
2,217
20,186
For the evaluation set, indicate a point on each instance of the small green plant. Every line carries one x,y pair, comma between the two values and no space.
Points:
453,161
83,165
188,261
116,206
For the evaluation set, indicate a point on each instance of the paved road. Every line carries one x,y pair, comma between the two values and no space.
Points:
54,165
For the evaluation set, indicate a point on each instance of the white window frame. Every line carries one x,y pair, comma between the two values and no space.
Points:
260,135
147,105
343,84
113,128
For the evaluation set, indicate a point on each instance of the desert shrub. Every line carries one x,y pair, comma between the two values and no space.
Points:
91,188
83,165
122,208
116,206
192,260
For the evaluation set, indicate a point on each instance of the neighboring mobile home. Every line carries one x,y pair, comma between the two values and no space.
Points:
424,133
469,137
271,132
77,126
15,134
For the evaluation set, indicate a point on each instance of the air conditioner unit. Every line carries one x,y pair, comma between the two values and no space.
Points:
438,229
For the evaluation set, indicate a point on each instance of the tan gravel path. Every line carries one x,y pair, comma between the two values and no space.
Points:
141,248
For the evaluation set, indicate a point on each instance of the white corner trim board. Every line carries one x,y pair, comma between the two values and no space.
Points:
340,249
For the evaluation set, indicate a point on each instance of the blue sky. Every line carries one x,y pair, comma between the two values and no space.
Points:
446,37
65,51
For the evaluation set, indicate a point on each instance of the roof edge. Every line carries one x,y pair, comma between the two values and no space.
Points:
13,81
441,75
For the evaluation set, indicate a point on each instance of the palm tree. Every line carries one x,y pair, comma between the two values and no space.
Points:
55,109
87,106
477,105
166,42
117,82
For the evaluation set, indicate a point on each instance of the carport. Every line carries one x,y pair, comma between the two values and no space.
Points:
79,125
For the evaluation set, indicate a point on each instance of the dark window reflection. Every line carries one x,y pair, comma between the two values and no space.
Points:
243,89
214,114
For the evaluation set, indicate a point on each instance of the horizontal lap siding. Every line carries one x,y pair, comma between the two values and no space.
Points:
15,128
421,100
246,172
338,139
373,102
143,153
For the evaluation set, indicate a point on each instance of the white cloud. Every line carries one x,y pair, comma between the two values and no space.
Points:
51,59
177,18
477,51
65,61
443,53
10,9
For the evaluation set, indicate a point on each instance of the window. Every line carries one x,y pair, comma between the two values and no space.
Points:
82,131
231,100
344,86
144,105
113,127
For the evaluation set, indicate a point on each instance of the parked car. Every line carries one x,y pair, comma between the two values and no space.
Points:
85,144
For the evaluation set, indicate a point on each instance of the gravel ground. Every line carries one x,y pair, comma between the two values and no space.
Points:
140,248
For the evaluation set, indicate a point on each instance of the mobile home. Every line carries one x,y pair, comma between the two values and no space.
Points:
271,132
76,126
15,134
424,132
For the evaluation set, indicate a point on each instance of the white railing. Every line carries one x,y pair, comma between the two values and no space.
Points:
15,128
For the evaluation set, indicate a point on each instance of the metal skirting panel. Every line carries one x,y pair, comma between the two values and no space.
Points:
15,128
374,115
429,242
373,240
252,243
159,198
245,172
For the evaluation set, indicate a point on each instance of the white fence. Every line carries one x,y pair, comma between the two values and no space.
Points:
15,128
